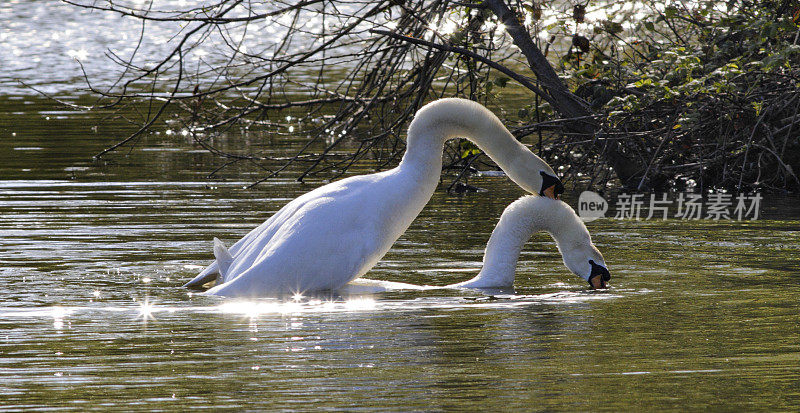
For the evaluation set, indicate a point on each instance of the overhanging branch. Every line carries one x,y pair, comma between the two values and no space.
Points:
460,50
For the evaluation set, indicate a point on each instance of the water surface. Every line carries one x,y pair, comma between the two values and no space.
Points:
701,314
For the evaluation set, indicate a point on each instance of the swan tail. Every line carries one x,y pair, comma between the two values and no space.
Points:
206,276
224,258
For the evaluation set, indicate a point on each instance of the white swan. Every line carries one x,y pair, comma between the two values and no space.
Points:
520,220
337,232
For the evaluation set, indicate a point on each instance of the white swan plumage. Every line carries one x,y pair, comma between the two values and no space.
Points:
520,220
334,234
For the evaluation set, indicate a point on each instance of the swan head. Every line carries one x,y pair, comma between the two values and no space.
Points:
533,175
586,261
537,177
573,240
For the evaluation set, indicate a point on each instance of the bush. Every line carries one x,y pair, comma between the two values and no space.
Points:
703,97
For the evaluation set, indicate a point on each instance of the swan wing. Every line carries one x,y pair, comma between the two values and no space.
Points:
257,235
330,240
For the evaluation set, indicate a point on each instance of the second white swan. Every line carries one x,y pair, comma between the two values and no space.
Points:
520,220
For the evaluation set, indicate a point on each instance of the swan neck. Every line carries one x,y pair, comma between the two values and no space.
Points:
518,223
503,249
446,119
423,154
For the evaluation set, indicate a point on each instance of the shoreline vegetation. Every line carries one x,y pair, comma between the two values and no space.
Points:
645,96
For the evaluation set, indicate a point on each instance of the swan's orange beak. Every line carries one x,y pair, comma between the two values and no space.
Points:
599,276
550,192
598,283
551,186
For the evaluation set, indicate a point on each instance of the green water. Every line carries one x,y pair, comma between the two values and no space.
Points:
701,314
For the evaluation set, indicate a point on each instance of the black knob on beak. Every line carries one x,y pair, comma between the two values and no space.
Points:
599,270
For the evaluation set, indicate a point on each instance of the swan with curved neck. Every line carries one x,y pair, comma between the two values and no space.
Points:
520,220
336,233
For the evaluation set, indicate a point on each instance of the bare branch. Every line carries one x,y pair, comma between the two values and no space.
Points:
453,49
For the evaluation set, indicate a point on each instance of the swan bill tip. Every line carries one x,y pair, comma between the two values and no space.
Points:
551,186
599,276
598,283
551,193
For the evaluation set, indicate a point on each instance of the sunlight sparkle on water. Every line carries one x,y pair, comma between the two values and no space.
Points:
359,304
58,317
80,54
146,310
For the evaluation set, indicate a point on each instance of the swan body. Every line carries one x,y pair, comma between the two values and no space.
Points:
334,234
520,220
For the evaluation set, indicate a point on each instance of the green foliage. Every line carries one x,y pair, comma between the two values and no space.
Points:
704,92
717,95
712,58
467,148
